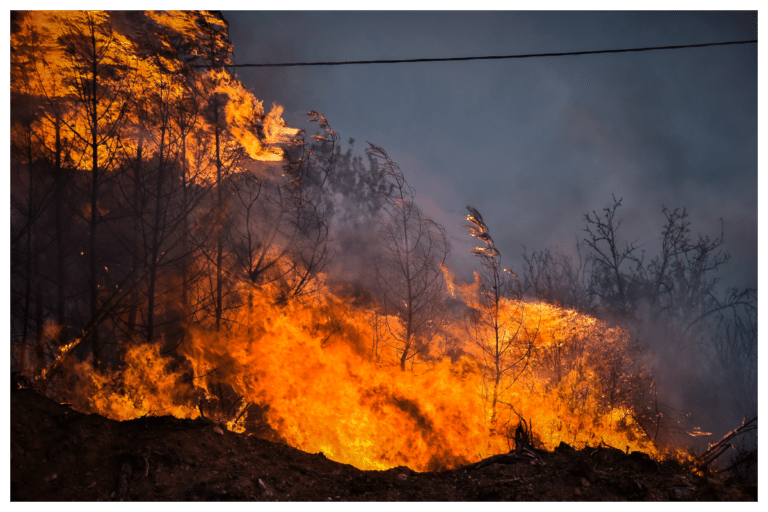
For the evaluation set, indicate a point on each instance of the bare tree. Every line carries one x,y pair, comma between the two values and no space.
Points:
608,258
101,78
497,320
216,50
409,270
278,242
554,277
26,206
678,285
674,303
278,227
733,354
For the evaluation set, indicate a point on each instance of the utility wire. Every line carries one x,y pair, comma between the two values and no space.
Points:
488,57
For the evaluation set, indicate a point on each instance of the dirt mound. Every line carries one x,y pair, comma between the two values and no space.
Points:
58,454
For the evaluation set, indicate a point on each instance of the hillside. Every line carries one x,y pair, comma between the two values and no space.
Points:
58,454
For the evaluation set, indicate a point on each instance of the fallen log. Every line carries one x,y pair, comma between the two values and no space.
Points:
502,458
720,447
524,455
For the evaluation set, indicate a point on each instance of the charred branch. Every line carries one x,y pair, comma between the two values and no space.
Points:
725,444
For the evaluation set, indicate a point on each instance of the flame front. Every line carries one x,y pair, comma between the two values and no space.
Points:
324,394
308,364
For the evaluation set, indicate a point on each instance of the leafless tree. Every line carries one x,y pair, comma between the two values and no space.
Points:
554,277
278,243
733,353
608,259
27,202
101,80
497,322
674,301
278,217
409,273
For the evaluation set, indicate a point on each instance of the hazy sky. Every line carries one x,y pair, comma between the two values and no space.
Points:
535,144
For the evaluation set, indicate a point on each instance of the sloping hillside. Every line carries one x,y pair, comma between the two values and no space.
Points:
58,454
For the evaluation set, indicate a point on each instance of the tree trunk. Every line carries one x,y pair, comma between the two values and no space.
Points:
133,307
39,331
155,243
30,257
495,398
94,274
406,348
61,275
219,220
185,212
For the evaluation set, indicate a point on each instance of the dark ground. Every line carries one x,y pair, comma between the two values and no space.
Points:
58,454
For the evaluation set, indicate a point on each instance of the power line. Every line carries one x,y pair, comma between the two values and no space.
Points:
487,57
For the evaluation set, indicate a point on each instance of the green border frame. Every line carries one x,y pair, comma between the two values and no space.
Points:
344,5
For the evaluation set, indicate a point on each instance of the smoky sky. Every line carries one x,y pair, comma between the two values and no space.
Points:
535,144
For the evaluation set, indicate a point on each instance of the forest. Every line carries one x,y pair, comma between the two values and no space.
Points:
177,249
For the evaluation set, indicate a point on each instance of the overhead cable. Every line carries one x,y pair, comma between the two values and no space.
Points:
487,57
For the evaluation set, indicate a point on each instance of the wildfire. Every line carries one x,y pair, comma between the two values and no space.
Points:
305,361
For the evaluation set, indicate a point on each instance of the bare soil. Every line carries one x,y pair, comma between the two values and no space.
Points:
58,454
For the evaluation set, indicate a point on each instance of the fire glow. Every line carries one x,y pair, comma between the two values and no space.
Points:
310,363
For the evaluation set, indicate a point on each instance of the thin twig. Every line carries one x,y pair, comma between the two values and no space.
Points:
146,459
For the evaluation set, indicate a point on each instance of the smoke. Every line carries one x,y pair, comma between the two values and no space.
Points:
500,136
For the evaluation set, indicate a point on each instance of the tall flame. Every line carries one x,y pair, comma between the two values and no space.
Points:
243,110
135,79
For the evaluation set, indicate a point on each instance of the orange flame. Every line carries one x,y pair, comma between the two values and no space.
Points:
243,110
308,364
44,68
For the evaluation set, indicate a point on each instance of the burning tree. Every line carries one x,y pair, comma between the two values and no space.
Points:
409,272
505,339
279,222
114,98
92,66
